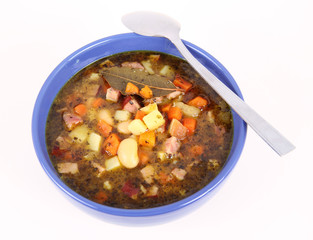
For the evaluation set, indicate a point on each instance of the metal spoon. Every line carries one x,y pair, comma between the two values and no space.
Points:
159,25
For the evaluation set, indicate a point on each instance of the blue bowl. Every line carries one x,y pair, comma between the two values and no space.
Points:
106,47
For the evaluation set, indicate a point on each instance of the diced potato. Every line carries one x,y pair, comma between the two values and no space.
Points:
149,108
187,110
112,163
105,115
147,65
79,134
94,76
94,140
153,120
167,71
122,115
143,189
162,155
122,127
137,127
107,185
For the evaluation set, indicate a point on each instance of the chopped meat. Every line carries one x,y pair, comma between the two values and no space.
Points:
131,105
177,129
152,191
179,173
136,65
63,142
67,168
112,94
173,94
71,120
156,100
171,145
129,190
99,167
148,173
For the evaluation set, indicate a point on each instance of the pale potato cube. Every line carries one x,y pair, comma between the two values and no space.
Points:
94,76
147,65
187,110
153,120
94,140
167,71
105,115
149,108
137,127
112,163
122,115
107,185
79,134
122,127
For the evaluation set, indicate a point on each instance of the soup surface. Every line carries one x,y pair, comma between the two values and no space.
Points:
138,130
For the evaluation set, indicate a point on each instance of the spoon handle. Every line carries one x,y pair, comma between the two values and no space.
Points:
269,134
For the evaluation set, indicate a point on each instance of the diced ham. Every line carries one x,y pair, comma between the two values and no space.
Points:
152,191
63,142
173,95
171,145
129,190
156,100
136,65
71,120
179,173
148,173
67,168
177,129
131,105
112,94
99,167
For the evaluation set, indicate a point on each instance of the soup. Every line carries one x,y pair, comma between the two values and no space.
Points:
138,130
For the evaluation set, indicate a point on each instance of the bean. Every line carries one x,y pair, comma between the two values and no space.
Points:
128,153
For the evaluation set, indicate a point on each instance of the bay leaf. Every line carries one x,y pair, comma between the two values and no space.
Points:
118,77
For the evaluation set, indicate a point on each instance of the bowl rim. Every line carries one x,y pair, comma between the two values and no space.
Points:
40,147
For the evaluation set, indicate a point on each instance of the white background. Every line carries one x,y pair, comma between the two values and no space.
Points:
268,48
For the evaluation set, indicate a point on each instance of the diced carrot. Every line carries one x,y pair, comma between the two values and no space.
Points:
196,150
104,128
198,102
166,107
175,112
111,144
146,92
100,197
144,156
190,124
147,139
164,178
177,129
131,89
181,83
139,114
80,109
98,102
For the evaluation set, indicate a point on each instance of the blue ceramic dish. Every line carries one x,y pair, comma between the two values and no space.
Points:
106,47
